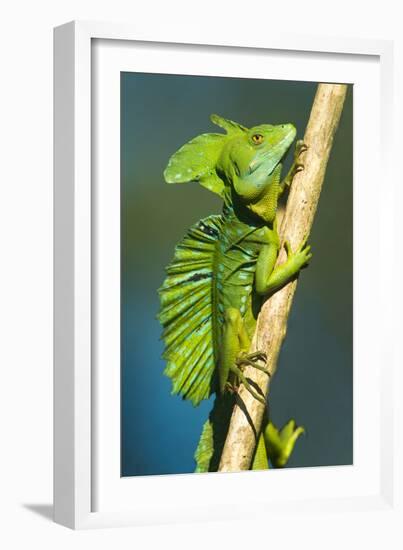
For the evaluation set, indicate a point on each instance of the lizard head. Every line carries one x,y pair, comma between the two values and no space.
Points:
250,161
243,163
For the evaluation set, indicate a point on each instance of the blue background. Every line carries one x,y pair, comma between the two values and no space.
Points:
313,384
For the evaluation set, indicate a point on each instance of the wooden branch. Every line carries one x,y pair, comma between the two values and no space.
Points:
271,326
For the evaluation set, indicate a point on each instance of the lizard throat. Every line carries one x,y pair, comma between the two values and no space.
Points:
265,207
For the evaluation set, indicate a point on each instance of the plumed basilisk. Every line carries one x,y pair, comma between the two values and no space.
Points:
220,273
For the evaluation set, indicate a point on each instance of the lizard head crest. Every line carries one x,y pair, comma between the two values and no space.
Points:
197,159
242,159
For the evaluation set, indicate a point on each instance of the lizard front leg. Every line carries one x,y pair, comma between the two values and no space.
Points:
267,279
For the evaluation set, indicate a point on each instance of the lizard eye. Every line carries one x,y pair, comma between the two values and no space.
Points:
257,138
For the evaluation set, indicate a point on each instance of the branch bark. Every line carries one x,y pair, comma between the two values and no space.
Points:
271,326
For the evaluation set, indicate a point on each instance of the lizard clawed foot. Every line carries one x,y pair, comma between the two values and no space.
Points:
232,388
297,165
300,147
251,389
301,256
252,359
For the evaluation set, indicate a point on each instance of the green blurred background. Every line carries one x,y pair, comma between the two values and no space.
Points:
313,384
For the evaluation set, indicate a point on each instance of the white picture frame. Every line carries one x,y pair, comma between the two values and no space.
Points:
88,491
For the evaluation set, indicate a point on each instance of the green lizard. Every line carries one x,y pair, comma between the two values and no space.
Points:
221,271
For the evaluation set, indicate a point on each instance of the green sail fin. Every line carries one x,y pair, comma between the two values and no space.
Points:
186,312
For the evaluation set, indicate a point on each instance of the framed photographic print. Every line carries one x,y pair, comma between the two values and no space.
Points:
215,286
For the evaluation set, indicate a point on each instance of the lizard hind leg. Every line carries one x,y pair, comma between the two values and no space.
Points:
234,354
240,375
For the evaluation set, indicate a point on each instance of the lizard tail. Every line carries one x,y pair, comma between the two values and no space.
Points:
214,433
260,459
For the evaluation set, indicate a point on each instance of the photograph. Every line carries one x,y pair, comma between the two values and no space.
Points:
207,166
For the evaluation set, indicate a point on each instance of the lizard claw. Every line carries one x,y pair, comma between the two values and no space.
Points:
252,359
231,388
300,147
